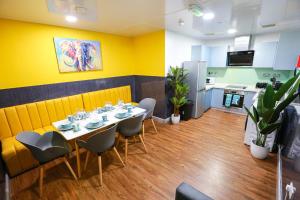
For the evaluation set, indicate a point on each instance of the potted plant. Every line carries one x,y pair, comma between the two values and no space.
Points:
176,78
266,113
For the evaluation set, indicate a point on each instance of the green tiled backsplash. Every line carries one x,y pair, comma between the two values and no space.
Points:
247,76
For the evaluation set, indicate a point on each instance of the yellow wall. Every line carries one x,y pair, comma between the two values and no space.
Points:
149,51
27,54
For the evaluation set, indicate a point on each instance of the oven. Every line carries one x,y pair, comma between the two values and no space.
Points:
233,98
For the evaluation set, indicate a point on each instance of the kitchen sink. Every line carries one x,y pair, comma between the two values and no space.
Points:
236,86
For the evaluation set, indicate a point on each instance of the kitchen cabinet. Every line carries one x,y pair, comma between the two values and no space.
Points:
218,56
200,53
287,51
207,102
248,99
217,98
264,56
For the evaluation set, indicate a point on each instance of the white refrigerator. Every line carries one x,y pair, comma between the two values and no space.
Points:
196,79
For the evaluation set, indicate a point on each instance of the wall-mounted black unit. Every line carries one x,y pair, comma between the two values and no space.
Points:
240,58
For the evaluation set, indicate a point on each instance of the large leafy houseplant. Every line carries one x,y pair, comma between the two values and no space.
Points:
176,79
266,113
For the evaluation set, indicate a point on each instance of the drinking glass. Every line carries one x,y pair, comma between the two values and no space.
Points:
71,118
104,118
108,105
120,103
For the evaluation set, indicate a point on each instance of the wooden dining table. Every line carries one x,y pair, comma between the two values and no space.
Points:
71,135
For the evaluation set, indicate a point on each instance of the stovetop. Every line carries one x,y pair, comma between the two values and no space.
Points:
263,85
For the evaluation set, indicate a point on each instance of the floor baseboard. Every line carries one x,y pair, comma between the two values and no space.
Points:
161,120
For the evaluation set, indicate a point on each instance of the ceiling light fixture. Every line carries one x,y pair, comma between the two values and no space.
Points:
208,16
71,18
231,31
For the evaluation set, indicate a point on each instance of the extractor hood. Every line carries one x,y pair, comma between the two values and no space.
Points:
242,43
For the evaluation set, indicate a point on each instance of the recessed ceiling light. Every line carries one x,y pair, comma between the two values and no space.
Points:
71,18
208,16
231,31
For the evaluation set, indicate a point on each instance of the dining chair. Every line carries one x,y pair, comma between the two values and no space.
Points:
148,104
131,127
98,144
45,148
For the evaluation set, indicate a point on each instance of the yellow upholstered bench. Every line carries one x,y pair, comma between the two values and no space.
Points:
95,99
36,116
39,117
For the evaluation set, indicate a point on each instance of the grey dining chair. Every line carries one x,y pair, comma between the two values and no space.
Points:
131,127
98,144
148,104
45,148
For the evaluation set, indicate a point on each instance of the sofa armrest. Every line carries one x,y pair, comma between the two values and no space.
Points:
186,192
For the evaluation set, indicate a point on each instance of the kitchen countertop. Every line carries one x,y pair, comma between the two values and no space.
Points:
249,88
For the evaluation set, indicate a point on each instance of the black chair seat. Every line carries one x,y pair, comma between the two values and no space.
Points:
46,148
149,105
131,127
186,192
99,143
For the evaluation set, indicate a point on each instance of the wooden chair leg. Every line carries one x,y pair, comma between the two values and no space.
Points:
78,160
86,159
100,169
154,125
141,138
41,181
126,149
70,168
143,130
118,155
134,140
118,140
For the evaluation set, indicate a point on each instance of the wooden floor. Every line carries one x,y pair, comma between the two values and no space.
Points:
207,153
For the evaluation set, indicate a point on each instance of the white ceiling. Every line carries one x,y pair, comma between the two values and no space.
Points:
135,17
122,17
243,15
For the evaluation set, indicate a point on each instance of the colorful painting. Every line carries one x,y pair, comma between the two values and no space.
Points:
77,55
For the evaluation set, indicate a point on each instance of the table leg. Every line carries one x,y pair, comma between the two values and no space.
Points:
78,159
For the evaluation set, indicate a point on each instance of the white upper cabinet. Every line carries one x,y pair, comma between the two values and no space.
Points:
205,53
218,56
288,50
264,56
200,53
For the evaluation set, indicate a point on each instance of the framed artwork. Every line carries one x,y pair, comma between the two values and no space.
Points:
77,55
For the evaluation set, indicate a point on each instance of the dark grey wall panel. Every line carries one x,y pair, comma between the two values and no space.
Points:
155,87
15,96
141,86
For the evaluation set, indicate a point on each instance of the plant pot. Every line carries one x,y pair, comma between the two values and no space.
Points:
186,110
175,119
258,151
